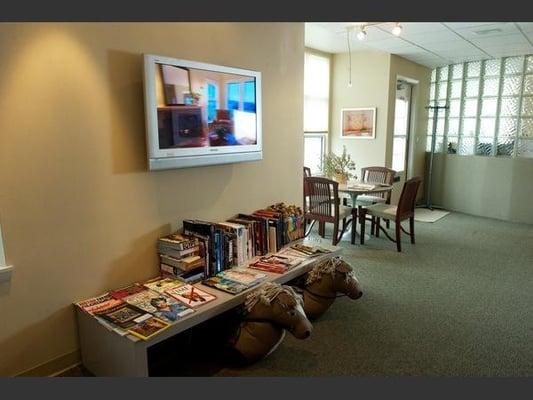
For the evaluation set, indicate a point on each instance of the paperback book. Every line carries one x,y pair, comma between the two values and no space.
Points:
275,263
178,241
161,284
122,315
99,303
159,304
190,295
147,326
225,285
243,276
127,291
310,251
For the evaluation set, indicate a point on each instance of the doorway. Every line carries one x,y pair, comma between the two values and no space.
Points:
402,128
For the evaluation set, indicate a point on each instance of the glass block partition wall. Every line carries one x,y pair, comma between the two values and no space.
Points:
490,108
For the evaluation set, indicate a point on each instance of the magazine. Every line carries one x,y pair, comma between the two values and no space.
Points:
190,295
276,263
310,251
158,304
146,327
127,291
160,284
99,303
122,315
225,285
243,276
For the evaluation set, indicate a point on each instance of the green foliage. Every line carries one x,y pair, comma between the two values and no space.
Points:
338,165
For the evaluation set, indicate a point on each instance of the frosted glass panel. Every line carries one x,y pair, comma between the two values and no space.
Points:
487,127
514,65
529,67
430,126
488,107
469,126
490,86
507,127
428,143
525,148
509,106
453,127
472,88
526,127
452,145
440,126
470,108
484,146
455,108
456,89
457,71
492,67
511,85
505,146
527,106
528,84
432,92
443,87
474,69
466,146
439,142
443,73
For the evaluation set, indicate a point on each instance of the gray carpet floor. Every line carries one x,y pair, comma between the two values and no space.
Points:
458,303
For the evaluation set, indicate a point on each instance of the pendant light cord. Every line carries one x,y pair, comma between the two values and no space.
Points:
350,57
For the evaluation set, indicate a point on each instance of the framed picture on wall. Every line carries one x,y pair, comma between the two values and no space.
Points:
358,123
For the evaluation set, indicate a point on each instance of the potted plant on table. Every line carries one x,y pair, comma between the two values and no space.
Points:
339,167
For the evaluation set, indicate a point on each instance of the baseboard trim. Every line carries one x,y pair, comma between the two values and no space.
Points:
55,366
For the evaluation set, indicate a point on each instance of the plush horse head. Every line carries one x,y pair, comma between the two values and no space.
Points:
281,306
324,282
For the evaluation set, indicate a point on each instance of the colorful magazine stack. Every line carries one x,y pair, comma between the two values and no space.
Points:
276,263
235,280
182,256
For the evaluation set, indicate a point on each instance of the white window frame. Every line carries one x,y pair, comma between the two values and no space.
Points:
217,93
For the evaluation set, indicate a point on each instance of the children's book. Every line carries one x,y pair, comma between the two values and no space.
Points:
99,303
225,285
243,276
148,326
190,295
159,304
160,284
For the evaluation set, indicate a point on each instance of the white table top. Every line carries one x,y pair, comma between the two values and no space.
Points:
358,187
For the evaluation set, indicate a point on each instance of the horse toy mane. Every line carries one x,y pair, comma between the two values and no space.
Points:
329,266
267,293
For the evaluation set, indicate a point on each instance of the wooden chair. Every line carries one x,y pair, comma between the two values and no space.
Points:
404,210
376,175
322,204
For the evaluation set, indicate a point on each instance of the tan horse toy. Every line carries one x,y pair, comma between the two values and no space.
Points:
269,311
323,283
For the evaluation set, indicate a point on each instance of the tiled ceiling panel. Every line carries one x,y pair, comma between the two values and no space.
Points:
428,43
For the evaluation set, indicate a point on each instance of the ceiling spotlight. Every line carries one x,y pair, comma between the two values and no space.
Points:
397,30
361,35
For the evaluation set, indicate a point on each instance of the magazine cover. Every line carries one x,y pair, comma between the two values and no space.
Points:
243,275
309,250
146,327
190,295
127,291
122,315
159,304
161,284
225,285
99,303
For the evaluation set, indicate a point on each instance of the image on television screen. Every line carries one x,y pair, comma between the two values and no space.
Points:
201,108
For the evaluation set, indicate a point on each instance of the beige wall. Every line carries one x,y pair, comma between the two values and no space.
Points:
370,88
374,76
420,76
80,213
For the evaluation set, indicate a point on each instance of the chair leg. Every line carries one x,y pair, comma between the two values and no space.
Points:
373,227
362,218
335,238
398,236
388,223
412,229
354,224
377,226
321,229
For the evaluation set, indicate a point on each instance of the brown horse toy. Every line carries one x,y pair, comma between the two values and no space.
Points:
270,310
324,282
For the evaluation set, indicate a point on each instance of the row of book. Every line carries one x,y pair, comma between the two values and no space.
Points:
204,249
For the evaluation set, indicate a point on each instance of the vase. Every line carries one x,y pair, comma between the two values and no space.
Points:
341,178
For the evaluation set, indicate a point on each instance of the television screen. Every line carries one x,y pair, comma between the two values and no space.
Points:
201,110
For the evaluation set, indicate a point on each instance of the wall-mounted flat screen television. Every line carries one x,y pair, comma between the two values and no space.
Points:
200,114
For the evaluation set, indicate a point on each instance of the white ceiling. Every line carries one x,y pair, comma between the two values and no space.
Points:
428,43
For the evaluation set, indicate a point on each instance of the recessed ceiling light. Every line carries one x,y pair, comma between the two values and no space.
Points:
397,30
361,35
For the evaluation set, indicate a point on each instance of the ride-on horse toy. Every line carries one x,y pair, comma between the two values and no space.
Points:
269,311
323,283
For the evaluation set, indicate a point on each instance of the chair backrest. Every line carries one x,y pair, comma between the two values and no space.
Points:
322,202
307,172
379,175
406,204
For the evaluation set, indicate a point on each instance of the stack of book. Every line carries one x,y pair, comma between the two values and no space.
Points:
182,256
235,280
